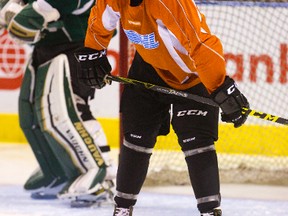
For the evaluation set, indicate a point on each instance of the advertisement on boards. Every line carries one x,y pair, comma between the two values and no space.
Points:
13,60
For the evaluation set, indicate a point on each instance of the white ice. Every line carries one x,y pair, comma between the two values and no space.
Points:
17,162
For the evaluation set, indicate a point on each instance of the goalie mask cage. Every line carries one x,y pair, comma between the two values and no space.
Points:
254,37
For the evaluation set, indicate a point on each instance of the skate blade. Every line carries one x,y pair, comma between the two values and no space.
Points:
43,196
91,203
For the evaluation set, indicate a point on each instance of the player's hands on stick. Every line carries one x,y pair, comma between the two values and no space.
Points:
231,102
93,67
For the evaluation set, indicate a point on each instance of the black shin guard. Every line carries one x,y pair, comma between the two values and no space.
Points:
132,172
204,176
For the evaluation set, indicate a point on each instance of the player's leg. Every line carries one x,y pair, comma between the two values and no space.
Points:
142,117
196,126
136,149
51,174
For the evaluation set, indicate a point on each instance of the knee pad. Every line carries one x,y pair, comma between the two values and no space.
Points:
145,137
189,141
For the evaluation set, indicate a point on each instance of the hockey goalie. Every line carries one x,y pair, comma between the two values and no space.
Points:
55,117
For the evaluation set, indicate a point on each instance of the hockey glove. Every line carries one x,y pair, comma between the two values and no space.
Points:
93,67
231,102
27,25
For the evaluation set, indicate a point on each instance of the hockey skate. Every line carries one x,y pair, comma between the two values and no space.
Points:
102,197
44,188
214,212
123,211
49,192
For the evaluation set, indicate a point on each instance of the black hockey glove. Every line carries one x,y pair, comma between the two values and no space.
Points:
93,67
231,102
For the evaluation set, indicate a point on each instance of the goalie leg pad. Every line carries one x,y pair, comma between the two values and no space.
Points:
86,183
56,108
49,164
61,121
39,190
95,129
59,151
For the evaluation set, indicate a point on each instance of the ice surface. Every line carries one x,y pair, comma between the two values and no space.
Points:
17,163
16,202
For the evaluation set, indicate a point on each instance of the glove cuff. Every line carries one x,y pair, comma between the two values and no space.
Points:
222,92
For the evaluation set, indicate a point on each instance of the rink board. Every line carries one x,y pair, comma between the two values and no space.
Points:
269,142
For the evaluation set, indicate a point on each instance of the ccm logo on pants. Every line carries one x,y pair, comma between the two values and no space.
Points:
192,112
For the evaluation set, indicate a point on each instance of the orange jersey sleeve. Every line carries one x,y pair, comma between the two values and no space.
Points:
172,36
101,25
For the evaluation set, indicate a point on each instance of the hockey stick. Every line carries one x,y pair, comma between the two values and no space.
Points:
204,100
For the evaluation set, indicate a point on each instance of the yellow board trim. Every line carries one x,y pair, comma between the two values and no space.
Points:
248,139
10,131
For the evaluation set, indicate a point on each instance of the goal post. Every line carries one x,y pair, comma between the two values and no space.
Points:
254,38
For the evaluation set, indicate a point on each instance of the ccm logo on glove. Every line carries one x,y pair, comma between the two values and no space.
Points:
92,56
231,89
93,67
231,101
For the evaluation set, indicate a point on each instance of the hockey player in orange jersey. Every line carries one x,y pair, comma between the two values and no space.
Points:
174,48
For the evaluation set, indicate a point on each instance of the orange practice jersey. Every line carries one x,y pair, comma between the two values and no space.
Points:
171,35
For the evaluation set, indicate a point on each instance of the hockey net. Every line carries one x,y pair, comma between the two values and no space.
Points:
254,37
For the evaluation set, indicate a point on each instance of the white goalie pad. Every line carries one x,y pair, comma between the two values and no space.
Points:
87,183
62,120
